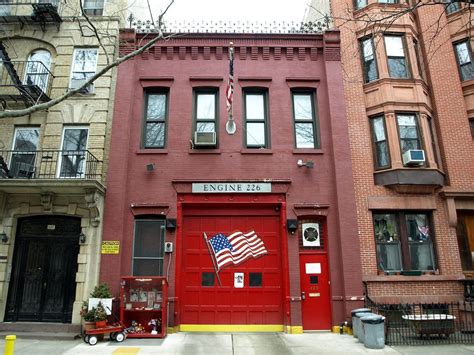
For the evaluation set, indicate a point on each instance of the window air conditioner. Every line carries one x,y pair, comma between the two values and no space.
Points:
204,139
414,157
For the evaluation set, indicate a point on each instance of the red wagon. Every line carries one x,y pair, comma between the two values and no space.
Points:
115,331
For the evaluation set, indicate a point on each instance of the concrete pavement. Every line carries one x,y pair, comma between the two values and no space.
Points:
228,344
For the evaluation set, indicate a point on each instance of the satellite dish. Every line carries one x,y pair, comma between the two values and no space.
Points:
230,127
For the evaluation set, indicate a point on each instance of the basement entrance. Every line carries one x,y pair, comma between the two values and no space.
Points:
43,285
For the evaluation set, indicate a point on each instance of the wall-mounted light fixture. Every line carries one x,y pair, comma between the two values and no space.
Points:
150,166
171,224
82,238
292,225
4,237
309,164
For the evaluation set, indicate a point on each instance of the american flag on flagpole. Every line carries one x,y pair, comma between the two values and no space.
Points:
236,248
229,92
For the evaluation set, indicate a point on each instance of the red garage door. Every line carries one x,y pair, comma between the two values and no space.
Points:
255,298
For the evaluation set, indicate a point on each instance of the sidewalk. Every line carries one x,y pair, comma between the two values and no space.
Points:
227,343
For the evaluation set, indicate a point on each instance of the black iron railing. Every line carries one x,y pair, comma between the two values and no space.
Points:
42,12
49,164
27,81
426,323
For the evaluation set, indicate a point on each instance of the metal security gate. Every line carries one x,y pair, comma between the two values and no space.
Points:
251,292
42,286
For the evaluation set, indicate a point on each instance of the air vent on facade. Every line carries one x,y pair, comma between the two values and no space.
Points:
204,139
414,157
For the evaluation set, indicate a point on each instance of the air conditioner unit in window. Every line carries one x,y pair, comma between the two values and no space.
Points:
204,139
414,157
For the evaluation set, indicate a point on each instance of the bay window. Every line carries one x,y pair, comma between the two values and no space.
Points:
380,143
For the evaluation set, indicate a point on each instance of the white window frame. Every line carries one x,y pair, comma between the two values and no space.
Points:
94,9
91,86
42,84
60,155
18,129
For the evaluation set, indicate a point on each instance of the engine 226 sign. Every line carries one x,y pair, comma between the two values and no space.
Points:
232,187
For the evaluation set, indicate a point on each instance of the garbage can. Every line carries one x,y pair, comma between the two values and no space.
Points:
354,321
374,331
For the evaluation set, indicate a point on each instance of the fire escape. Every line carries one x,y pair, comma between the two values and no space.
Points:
25,82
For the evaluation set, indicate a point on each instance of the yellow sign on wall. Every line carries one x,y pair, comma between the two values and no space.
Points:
110,247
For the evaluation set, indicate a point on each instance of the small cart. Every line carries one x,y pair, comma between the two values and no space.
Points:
116,332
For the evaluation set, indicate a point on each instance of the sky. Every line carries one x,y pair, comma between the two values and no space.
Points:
243,10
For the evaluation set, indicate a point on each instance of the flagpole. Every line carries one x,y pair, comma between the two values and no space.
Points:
230,125
212,258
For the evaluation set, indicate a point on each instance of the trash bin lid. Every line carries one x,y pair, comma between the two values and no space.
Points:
360,310
363,314
372,319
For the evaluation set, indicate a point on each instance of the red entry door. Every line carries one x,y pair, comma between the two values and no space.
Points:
316,305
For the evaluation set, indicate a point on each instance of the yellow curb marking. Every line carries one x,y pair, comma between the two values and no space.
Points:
125,351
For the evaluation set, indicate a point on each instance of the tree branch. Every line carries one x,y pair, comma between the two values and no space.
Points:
115,63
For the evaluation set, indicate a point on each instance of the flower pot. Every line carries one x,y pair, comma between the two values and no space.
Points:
89,325
101,324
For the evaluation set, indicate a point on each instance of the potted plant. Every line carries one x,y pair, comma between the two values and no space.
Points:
88,317
101,295
100,316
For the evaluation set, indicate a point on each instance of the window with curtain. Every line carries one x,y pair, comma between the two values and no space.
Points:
380,143
404,241
368,59
396,57
464,59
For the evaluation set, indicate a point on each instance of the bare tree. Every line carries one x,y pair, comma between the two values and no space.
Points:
86,24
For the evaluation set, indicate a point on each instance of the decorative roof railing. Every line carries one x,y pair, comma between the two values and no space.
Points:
235,27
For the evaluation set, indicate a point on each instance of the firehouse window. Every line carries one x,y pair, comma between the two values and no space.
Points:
148,247
154,134
255,279
408,132
306,133
93,7
256,117
368,60
380,143
464,59
207,279
397,61
83,68
205,118
404,241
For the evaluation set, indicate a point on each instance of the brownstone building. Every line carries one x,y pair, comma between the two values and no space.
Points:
408,84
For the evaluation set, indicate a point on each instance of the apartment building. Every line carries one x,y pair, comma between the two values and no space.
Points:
53,161
409,101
